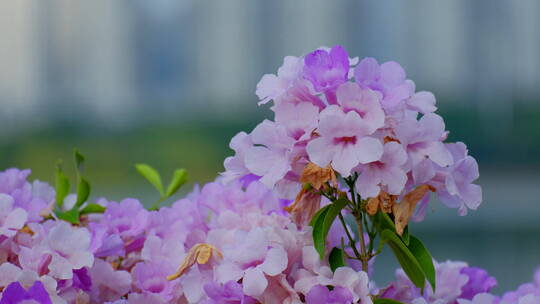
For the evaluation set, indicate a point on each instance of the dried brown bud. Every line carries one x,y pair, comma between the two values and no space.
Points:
200,254
317,176
404,210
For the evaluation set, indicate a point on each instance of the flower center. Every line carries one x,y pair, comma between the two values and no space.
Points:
345,140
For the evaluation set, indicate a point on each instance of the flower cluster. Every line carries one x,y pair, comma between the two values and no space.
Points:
221,244
352,143
357,118
461,284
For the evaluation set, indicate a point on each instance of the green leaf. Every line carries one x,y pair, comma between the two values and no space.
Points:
71,216
152,176
179,179
406,236
324,222
330,216
79,160
424,258
317,215
92,208
386,301
383,221
62,186
83,192
336,258
318,231
405,258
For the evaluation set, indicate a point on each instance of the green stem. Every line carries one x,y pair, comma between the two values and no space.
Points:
351,240
364,255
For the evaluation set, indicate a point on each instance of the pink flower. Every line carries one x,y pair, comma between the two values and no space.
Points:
108,284
459,190
388,78
364,101
271,157
299,120
11,219
235,166
272,86
422,140
327,70
343,141
386,172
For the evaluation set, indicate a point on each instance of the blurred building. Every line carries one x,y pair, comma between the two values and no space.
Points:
118,61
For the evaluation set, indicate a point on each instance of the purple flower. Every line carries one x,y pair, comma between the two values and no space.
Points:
11,219
272,86
422,140
327,70
13,179
388,78
108,284
15,294
34,198
81,279
364,101
299,120
235,166
479,282
320,294
271,157
343,141
459,190
228,293
386,172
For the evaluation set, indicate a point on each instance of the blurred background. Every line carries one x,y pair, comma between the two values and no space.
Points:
169,82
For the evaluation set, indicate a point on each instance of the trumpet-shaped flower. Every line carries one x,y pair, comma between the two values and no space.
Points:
343,141
327,69
386,172
271,157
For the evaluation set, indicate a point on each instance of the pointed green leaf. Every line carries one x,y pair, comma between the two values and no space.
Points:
424,258
336,258
92,208
83,192
62,186
79,160
318,214
406,236
386,301
318,231
71,216
178,180
383,221
405,258
152,176
324,222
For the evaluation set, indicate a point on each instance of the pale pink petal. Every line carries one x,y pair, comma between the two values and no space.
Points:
423,102
275,262
394,178
472,196
438,153
367,183
394,154
345,159
10,273
320,151
369,149
254,282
